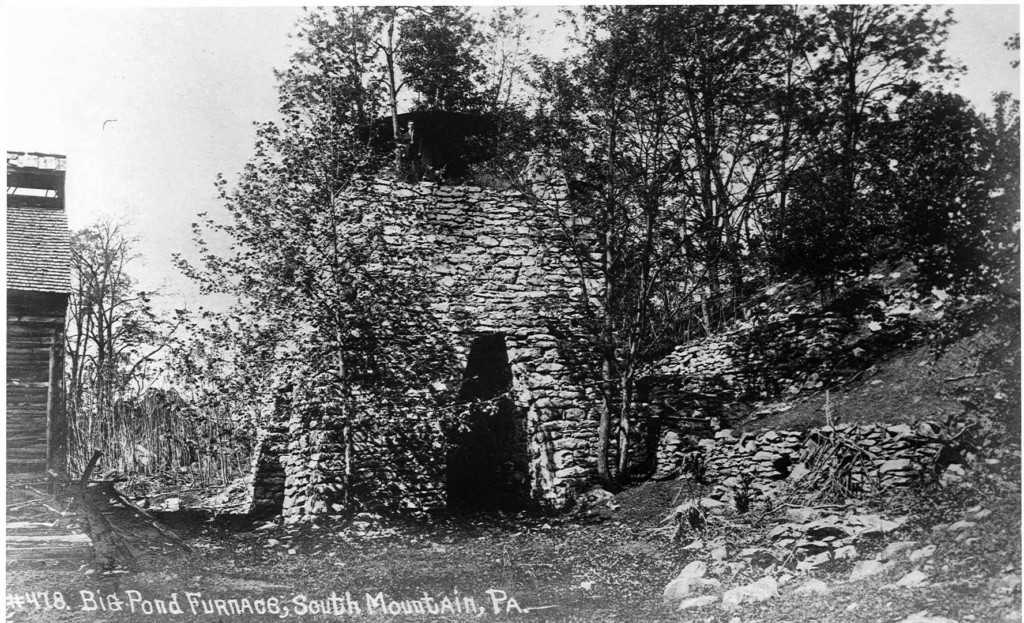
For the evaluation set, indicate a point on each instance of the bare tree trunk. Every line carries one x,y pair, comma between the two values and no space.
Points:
389,59
347,430
605,423
610,364
625,427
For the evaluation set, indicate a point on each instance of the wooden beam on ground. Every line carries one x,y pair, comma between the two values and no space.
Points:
167,532
42,541
108,546
47,552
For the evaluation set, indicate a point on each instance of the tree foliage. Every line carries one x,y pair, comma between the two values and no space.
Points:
943,212
323,301
668,149
866,60
438,56
706,148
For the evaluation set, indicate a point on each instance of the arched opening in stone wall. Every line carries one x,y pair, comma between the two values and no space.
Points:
268,484
487,463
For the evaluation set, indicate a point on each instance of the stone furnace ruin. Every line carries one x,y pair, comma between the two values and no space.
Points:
538,445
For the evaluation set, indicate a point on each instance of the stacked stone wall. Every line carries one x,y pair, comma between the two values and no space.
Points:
891,456
507,276
801,348
685,395
690,386
517,280
268,473
315,466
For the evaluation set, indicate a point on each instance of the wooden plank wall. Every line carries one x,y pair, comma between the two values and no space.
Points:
36,434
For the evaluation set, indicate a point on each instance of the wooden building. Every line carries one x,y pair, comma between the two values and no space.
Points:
38,286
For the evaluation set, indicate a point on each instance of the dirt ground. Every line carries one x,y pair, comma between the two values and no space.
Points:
606,564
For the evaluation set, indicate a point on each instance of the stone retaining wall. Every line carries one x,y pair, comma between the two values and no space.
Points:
685,395
786,352
892,456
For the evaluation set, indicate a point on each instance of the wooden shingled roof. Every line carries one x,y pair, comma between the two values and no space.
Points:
38,241
38,249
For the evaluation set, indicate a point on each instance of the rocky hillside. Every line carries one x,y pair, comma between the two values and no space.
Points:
868,454
882,351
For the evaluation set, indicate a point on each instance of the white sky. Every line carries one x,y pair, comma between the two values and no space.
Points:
185,86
